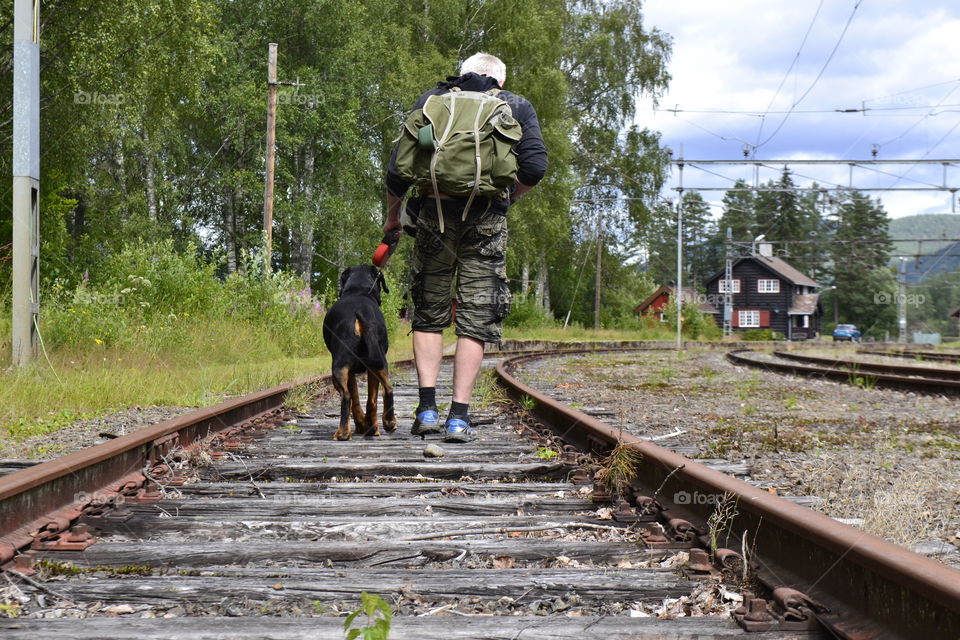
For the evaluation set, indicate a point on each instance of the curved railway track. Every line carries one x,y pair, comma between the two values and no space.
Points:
931,356
910,377
209,524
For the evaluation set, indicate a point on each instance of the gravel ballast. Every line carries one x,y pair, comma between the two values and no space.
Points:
883,460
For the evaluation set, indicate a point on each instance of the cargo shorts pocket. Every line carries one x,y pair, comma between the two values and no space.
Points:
492,238
502,306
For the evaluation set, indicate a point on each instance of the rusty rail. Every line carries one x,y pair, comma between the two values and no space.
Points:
48,495
884,375
870,588
919,355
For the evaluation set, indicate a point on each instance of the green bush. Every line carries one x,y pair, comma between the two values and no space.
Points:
525,313
760,335
150,297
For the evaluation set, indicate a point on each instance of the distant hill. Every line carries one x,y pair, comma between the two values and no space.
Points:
933,225
937,257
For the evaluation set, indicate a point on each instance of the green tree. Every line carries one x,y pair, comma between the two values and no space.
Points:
864,284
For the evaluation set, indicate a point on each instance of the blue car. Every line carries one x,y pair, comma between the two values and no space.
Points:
846,332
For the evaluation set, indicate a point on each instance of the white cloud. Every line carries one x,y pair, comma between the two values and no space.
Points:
733,55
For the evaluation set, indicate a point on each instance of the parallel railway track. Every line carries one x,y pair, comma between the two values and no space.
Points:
909,377
496,539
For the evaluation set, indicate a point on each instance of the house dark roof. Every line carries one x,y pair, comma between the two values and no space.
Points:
805,304
690,296
779,267
955,313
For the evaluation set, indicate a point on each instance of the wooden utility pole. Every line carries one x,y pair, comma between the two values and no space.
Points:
596,295
26,180
271,151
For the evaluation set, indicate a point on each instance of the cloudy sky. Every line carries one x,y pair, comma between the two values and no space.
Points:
899,59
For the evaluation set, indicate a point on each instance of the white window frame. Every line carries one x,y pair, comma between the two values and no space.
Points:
749,313
764,286
722,286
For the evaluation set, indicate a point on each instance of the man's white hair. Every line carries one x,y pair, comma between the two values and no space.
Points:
485,65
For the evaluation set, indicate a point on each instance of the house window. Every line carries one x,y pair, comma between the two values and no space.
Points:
749,319
768,286
735,286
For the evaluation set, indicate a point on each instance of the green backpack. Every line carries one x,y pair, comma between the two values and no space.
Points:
460,144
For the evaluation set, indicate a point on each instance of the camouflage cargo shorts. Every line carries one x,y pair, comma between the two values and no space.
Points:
470,253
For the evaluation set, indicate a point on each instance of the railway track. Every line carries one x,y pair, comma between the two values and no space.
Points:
271,529
909,377
920,356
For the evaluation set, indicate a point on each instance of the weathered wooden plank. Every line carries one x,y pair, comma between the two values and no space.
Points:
388,449
209,554
330,506
439,627
308,468
592,586
283,528
376,489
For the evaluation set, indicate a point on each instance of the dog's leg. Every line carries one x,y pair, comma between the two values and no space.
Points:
389,418
341,384
373,386
355,407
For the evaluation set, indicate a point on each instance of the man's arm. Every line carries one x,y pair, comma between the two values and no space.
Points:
393,214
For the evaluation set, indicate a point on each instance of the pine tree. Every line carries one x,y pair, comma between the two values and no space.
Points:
865,286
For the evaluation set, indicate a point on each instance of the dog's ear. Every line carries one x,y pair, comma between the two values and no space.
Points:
343,280
383,282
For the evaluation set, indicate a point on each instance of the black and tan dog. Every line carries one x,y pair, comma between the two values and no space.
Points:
355,332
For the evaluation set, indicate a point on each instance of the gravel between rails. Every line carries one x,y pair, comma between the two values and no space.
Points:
883,460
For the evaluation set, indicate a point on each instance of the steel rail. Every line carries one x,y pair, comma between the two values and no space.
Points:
848,375
918,355
858,366
44,491
873,589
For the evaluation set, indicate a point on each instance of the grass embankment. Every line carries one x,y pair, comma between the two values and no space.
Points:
154,327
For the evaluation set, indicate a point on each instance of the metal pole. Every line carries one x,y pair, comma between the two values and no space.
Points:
728,287
902,302
271,151
678,292
26,180
596,295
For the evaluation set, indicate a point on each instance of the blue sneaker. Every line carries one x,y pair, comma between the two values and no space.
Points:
458,430
426,422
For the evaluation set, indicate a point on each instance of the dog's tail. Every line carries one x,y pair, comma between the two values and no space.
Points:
369,338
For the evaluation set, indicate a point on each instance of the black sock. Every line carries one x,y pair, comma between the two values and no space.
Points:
428,398
459,409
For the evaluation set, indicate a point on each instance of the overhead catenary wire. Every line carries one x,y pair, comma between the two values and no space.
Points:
815,80
793,63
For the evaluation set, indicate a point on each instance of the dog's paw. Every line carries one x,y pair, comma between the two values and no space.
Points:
339,435
390,424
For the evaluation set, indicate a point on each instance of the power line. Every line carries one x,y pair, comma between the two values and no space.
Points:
815,80
793,63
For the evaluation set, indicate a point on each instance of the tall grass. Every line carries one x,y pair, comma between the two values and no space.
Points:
157,327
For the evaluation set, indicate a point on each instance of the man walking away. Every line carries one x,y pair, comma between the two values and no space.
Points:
462,238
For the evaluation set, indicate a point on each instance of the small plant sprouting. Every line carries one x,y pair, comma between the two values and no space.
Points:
378,619
718,524
300,398
545,453
619,468
790,403
527,402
